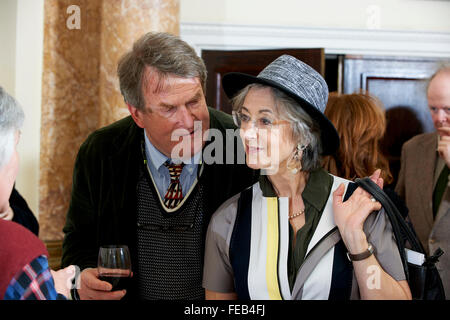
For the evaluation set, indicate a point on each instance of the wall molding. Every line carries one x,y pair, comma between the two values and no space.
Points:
335,41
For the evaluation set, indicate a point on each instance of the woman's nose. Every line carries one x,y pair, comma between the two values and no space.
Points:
250,133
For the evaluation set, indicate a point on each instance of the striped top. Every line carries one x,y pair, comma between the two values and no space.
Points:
257,267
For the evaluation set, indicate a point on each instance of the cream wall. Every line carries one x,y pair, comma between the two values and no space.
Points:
21,39
8,11
406,15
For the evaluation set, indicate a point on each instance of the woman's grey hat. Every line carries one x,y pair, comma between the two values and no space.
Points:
299,81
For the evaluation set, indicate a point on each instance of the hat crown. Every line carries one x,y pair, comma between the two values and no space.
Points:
299,78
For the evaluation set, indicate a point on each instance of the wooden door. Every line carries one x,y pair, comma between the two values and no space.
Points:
248,61
400,84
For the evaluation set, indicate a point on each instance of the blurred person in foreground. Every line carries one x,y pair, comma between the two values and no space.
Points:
25,274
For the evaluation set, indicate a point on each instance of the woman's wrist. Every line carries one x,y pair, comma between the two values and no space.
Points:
355,241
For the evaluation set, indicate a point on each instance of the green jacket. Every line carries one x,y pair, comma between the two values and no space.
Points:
102,208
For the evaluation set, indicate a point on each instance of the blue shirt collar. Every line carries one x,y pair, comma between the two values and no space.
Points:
158,159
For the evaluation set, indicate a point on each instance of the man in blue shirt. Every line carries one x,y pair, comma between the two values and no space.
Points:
146,181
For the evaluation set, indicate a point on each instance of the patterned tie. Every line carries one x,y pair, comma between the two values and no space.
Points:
174,194
439,189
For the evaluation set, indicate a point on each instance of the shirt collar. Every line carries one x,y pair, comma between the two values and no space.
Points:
158,159
153,154
318,188
316,191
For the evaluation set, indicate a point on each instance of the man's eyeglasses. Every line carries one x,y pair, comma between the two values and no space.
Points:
244,121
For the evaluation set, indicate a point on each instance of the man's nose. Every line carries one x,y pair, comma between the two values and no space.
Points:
186,117
441,116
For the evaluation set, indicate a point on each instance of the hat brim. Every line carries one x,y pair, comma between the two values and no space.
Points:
235,81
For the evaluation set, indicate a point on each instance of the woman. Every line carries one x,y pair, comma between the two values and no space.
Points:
289,235
360,122
23,257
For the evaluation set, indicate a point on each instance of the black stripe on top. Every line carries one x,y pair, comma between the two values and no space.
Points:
342,274
240,244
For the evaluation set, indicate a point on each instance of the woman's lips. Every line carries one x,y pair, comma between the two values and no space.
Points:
252,149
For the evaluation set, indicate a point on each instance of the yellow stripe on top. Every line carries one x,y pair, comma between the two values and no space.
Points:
272,249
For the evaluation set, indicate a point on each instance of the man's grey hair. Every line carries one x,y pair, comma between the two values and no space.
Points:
11,120
305,131
443,66
167,55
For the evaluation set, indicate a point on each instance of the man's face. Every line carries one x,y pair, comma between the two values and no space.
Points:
439,101
175,114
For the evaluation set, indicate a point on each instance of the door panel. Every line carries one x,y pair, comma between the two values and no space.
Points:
252,62
400,84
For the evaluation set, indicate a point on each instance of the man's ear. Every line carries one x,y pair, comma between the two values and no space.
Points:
137,115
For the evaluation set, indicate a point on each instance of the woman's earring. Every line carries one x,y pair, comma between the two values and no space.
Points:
294,163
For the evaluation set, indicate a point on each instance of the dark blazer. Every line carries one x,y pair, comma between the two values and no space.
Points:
415,185
22,213
102,208
415,182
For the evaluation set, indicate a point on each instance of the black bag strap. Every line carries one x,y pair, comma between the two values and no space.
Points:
399,227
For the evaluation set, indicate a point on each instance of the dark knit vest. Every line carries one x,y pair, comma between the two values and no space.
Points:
18,247
169,245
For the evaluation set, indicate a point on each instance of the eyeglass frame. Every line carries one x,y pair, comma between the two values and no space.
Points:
238,122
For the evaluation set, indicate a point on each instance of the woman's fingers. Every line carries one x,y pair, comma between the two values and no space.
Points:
338,194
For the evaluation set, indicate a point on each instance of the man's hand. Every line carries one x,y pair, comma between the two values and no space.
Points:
94,289
444,145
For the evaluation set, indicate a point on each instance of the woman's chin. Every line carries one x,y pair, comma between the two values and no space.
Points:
260,166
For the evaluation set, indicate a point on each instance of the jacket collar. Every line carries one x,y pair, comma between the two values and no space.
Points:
316,190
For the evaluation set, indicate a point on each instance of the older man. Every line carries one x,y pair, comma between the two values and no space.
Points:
423,179
25,274
144,181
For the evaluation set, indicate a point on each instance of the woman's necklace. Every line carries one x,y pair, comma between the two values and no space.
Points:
291,216
294,215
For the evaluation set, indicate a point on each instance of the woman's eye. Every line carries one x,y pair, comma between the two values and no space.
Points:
265,122
244,118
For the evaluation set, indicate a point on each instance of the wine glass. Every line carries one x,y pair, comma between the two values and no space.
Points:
114,266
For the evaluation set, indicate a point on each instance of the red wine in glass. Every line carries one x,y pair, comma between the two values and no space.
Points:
118,281
114,266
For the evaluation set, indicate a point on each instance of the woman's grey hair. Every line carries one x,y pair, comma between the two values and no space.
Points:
11,120
167,55
305,131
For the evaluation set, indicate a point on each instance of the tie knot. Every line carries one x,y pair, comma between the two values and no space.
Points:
174,169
